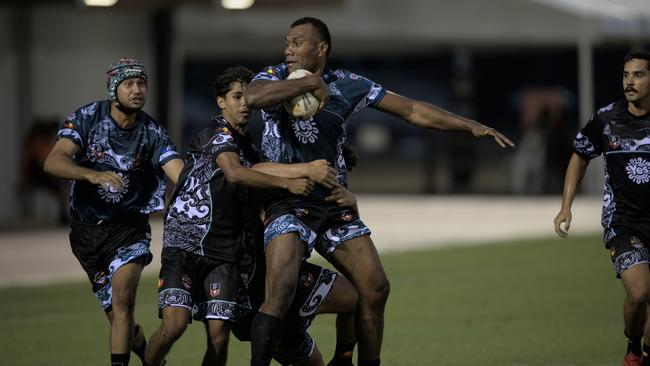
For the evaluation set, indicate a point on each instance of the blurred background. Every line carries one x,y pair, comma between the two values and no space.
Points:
534,69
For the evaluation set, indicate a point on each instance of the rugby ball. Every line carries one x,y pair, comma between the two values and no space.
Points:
305,105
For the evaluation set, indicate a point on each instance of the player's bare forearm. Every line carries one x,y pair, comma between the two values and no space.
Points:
428,116
238,174
252,178
173,169
425,115
575,171
62,166
265,93
318,171
282,170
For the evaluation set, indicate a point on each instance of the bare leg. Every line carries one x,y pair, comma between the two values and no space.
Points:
218,332
283,257
636,281
174,323
125,284
342,300
358,260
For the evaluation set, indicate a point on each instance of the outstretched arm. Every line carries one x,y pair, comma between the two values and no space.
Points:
575,171
60,164
425,115
318,171
236,173
266,93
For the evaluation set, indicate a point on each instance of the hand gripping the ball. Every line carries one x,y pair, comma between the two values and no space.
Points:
305,105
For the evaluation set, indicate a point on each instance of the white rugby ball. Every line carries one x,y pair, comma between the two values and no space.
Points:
305,105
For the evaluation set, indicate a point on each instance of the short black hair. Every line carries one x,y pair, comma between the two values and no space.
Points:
223,82
638,55
321,28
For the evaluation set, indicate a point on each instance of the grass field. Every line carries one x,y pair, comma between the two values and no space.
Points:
543,302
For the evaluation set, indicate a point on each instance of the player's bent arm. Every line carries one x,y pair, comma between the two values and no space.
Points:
574,173
425,115
173,169
265,93
238,174
318,171
59,163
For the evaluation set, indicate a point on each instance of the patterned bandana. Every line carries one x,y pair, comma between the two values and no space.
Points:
121,70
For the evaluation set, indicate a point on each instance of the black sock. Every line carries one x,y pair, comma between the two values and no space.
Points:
139,349
266,331
369,363
343,354
120,359
646,353
634,345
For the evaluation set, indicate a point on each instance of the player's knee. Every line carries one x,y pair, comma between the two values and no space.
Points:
281,295
123,300
123,306
377,293
172,329
638,296
219,342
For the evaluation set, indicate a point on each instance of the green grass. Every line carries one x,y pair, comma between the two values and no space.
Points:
538,302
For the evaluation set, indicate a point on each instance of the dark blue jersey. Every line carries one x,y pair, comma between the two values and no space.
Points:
288,139
207,214
624,141
137,154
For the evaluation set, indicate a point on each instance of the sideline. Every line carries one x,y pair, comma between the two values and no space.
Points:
398,223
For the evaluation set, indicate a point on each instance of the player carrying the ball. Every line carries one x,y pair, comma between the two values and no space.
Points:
296,225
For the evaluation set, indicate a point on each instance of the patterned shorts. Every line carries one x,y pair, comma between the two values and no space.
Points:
321,227
103,248
206,287
628,250
314,285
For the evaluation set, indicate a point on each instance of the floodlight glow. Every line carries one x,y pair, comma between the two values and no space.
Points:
100,2
237,4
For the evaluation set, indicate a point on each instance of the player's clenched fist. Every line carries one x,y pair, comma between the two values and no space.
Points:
106,179
300,186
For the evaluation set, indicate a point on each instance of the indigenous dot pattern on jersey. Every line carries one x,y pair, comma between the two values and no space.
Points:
121,70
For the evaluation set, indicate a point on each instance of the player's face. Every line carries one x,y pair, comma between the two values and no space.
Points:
302,48
132,93
233,106
636,81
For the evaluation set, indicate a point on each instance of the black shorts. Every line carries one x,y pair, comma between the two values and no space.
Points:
628,250
207,287
314,285
320,225
103,248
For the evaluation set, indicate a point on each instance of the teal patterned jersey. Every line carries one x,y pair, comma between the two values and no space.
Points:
288,139
137,154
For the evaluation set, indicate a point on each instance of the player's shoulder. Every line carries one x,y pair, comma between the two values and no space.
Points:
88,111
612,110
344,74
218,132
279,71
151,124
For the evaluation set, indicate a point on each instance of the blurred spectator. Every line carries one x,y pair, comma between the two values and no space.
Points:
545,138
43,197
